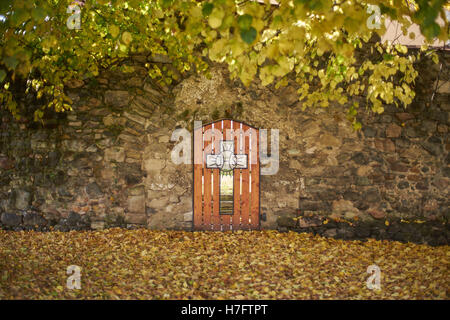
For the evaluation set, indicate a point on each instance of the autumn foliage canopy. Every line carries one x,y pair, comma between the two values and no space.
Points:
47,43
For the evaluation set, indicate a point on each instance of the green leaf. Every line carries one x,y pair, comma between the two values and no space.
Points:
310,4
2,75
166,3
431,31
207,9
123,47
19,16
38,115
357,125
4,6
245,21
38,14
388,10
340,59
435,58
248,36
277,22
10,62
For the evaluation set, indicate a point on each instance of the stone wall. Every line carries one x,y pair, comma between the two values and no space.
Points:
107,163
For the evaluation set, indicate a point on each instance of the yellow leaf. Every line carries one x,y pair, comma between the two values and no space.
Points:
215,18
114,30
127,38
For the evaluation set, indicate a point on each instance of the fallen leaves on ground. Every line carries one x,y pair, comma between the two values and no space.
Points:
144,264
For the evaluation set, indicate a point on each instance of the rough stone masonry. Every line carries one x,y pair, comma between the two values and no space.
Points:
107,163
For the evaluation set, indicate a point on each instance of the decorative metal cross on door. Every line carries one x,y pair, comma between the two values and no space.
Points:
226,161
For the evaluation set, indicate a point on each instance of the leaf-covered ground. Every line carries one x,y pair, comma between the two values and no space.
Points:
143,264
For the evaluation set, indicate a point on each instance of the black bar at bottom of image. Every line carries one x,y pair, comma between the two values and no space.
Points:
223,309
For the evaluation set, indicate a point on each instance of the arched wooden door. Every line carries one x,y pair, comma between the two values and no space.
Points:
226,176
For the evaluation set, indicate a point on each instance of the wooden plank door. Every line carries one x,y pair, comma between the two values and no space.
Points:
242,208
